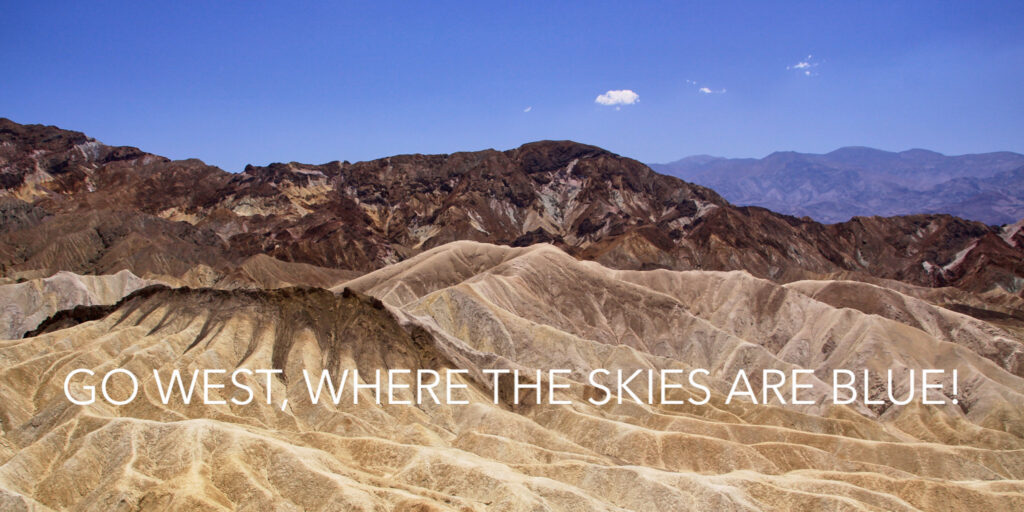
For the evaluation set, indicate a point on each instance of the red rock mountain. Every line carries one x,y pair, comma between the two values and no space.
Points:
68,202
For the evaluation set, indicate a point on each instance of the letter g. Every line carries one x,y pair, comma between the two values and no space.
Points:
90,389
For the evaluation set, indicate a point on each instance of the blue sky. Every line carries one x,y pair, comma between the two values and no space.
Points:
255,82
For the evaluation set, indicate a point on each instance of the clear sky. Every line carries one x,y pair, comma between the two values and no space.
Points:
255,82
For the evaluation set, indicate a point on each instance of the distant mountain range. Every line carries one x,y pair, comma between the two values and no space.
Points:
859,181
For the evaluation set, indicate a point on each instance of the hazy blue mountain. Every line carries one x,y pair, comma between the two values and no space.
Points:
853,181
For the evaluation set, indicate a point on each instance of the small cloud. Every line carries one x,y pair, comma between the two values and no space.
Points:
527,109
618,98
705,89
805,66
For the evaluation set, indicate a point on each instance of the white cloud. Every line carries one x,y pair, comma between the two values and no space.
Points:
805,66
527,109
618,97
705,89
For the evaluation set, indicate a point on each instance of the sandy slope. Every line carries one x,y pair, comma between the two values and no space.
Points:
24,305
475,306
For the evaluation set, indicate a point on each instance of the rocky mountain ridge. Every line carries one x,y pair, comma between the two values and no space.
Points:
71,203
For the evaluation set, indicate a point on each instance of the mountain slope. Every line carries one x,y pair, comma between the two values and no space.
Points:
78,205
475,306
27,304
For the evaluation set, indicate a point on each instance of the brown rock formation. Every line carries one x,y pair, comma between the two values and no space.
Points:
98,209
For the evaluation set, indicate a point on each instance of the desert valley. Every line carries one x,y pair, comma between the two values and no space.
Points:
554,254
